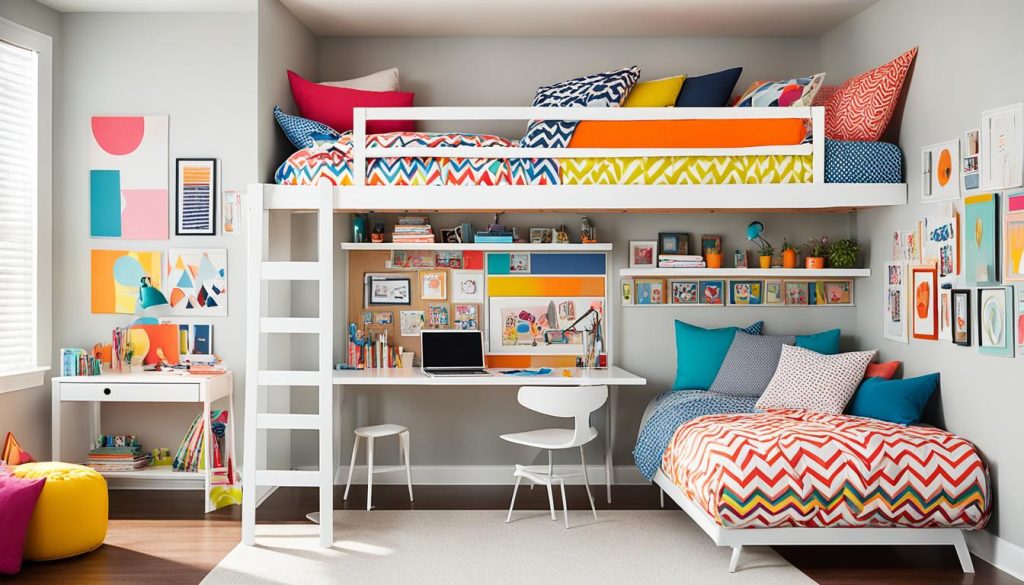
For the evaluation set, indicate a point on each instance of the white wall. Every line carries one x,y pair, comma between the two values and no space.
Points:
967,62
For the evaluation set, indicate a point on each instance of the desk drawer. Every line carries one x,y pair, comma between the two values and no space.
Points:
124,392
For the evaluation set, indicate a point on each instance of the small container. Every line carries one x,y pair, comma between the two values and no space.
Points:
766,261
814,263
714,260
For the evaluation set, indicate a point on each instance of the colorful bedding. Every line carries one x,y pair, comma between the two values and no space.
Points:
724,133
805,469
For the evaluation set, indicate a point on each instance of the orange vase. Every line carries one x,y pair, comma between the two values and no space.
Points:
815,263
789,259
714,260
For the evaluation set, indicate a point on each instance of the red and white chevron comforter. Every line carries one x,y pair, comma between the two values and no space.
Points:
807,469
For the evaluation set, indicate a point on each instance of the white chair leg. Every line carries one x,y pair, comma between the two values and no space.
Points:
369,473
513,504
404,444
351,466
586,482
565,505
661,496
735,559
551,496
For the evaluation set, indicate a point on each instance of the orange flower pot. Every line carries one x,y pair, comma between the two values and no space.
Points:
815,263
789,259
766,261
714,260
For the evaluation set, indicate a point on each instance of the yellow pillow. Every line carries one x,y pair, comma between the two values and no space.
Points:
659,93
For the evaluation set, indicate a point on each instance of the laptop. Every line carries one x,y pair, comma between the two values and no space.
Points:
447,352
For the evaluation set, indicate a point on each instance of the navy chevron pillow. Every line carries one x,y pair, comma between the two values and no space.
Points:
590,91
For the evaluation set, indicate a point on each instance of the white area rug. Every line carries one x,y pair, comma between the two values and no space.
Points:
477,547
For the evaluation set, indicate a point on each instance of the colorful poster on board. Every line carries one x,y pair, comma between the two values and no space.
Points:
116,276
197,282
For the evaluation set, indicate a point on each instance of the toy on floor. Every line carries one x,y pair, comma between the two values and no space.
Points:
12,453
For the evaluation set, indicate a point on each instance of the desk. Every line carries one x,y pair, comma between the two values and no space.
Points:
612,377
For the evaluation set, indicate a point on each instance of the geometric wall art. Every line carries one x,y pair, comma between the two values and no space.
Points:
128,177
196,282
116,275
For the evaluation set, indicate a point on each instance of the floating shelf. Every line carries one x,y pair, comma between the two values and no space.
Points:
154,473
746,273
490,247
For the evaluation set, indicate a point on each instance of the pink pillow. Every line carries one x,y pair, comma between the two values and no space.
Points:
333,105
17,502
862,107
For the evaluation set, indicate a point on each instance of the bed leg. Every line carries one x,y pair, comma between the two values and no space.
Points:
735,560
661,496
964,554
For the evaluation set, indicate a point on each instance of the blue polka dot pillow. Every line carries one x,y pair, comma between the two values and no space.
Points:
301,132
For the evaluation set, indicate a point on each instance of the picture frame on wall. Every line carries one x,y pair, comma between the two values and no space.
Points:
1002,148
995,321
674,243
643,253
962,317
683,292
433,285
467,286
1013,238
894,318
970,161
945,314
924,298
195,201
387,289
981,241
940,167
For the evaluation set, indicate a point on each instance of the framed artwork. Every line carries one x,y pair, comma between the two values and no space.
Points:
116,276
894,318
674,243
197,282
981,264
940,167
711,293
467,286
642,253
941,244
448,259
924,284
467,316
710,244
773,294
746,292
410,323
1001,163
970,150
433,285
796,293
627,292
383,318
542,235
1019,323
438,316
536,325
412,259
649,291
366,318
388,289
838,292
1013,238
683,292
962,317
740,258
519,263
912,244
195,197
945,308
995,321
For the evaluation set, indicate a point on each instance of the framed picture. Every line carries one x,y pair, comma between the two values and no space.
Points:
796,293
410,323
924,284
448,259
746,292
413,259
452,235
970,160
674,243
894,317
962,317
467,316
740,258
642,253
1013,238
388,289
981,221
710,243
196,197
433,285
1019,323
649,291
542,235
940,164
838,292
627,292
683,292
1001,163
995,321
197,282
467,286
519,263
773,294
711,293
367,318
536,325
941,244
383,318
438,316
945,308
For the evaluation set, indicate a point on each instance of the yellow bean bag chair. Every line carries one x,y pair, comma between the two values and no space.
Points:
71,515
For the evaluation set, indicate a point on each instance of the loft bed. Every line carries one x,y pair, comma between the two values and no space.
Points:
404,172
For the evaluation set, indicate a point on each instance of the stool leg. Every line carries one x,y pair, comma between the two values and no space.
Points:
351,466
369,473
404,441
513,504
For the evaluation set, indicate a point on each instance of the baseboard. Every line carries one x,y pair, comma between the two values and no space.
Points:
478,475
1002,554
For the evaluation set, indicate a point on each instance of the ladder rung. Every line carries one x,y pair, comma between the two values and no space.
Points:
287,478
287,378
290,270
289,325
288,421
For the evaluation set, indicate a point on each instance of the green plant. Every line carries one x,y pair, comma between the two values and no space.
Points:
786,245
766,248
843,253
815,247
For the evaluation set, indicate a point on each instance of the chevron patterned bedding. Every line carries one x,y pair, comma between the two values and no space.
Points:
804,469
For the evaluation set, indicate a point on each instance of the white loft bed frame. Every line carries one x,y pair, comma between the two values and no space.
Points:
737,538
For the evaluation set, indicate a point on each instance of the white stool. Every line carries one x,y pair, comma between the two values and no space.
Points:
371,433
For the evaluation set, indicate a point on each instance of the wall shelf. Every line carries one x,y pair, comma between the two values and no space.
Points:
746,273
490,247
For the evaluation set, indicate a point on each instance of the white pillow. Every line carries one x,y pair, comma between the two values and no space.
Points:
386,80
809,380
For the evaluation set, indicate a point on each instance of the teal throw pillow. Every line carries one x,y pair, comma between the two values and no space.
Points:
700,353
826,342
897,401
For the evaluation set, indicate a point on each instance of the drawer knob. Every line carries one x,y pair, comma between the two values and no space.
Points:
106,391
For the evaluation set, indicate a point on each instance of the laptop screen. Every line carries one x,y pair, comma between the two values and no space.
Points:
452,349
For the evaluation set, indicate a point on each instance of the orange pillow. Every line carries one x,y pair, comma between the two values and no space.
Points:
687,133
862,107
885,371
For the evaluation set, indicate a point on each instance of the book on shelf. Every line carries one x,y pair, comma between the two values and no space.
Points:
78,362
117,453
191,454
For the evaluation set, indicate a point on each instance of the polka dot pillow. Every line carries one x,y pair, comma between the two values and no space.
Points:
809,380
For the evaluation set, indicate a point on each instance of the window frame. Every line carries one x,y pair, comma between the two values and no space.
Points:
32,377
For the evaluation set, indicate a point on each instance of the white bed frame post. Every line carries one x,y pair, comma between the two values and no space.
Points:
818,144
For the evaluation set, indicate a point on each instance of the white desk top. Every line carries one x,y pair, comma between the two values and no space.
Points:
140,377
613,376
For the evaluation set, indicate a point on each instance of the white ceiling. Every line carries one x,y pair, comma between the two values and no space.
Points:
151,5
797,18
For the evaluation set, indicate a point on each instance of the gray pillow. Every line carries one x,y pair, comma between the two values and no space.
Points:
750,364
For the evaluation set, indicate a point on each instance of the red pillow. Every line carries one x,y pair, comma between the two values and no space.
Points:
885,371
862,107
333,105
17,502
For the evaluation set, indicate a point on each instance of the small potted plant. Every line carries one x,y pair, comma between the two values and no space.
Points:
843,253
815,251
788,254
766,252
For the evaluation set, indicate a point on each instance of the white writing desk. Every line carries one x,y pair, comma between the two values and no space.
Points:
611,377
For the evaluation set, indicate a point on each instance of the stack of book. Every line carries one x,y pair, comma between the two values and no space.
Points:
680,261
412,230
78,362
190,455
117,453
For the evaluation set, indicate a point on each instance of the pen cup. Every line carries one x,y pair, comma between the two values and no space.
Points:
407,357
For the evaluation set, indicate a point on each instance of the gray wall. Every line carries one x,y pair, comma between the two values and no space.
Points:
966,62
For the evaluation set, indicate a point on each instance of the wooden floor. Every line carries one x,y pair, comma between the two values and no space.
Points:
164,537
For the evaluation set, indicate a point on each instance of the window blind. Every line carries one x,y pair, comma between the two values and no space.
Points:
19,106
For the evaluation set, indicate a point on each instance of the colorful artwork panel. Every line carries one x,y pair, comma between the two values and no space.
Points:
197,281
924,294
533,325
995,321
1013,239
545,286
980,242
894,319
116,275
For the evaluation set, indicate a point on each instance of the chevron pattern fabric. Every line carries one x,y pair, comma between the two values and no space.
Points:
687,170
607,89
797,468
862,107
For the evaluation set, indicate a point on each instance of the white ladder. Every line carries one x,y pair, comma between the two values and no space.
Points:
257,326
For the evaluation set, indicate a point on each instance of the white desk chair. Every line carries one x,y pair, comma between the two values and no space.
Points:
371,433
576,402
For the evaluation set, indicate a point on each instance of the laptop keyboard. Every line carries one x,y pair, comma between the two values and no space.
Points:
463,372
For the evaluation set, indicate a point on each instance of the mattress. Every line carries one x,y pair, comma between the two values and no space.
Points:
794,468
